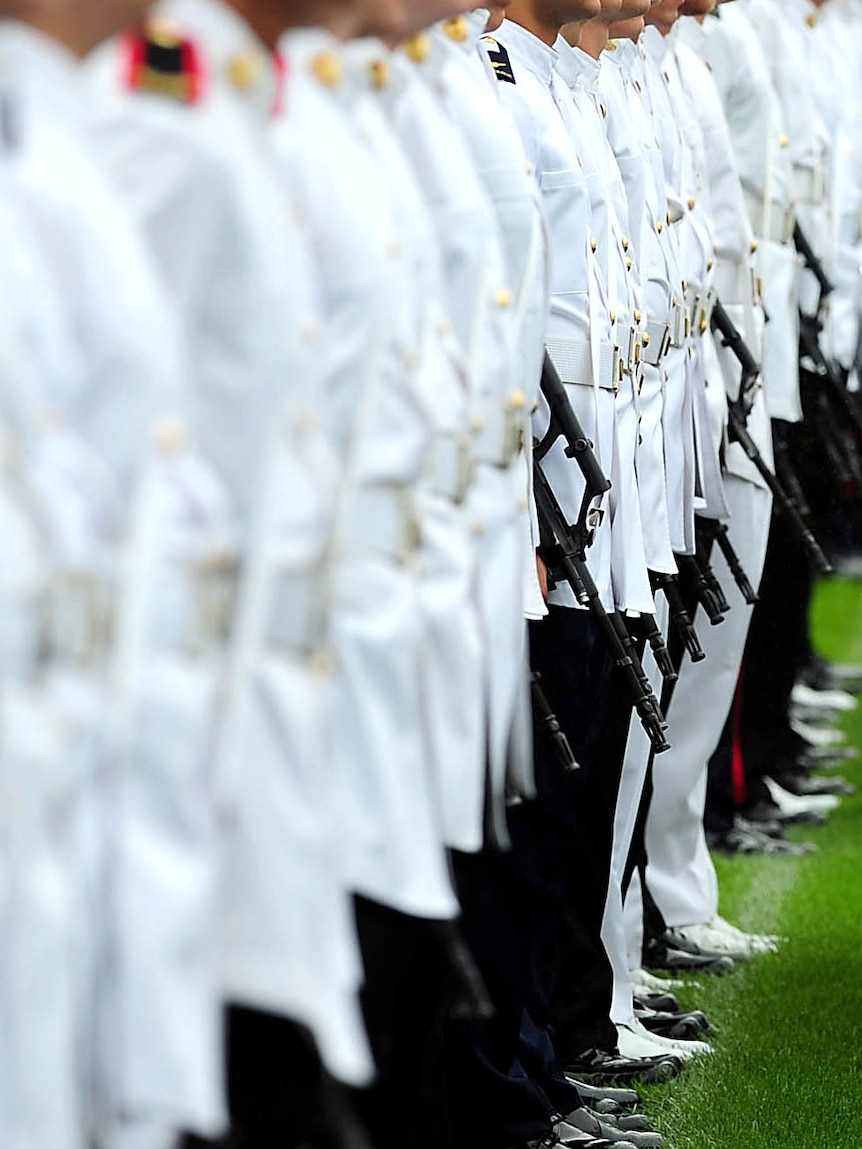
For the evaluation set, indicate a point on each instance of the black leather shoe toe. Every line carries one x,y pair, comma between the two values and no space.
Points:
657,956
596,1066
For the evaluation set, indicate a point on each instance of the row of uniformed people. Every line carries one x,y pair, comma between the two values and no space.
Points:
275,329
290,312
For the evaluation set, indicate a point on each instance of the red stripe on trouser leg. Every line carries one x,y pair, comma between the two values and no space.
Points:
737,766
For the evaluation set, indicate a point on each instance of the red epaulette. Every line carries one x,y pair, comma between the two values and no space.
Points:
160,60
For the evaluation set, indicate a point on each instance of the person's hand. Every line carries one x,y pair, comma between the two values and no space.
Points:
542,572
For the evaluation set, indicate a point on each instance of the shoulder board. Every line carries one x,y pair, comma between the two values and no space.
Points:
159,60
499,58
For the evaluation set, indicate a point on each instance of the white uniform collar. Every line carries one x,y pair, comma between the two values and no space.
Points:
235,58
654,44
576,66
536,56
30,57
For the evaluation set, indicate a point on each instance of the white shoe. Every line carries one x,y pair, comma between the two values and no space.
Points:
708,938
816,735
646,982
636,1041
803,695
760,943
800,803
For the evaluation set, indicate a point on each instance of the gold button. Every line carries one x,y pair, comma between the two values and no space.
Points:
322,664
604,111
244,70
703,326
669,219
517,401
645,339
379,70
528,168
783,141
416,48
163,32
692,203
326,67
638,316
611,45
456,29
625,242
659,227
594,246
613,317
710,264
754,246
629,263
503,297
172,436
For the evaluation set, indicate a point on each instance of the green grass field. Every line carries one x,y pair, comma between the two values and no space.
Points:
787,1066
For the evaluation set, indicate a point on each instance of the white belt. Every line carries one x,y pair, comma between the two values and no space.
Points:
679,324
450,466
656,340
382,520
295,617
500,432
779,227
195,610
809,185
700,308
574,363
634,351
78,616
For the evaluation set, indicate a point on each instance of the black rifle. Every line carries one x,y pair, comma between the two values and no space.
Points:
546,719
649,628
714,604
737,429
563,547
705,536
721,538
680,619
810,328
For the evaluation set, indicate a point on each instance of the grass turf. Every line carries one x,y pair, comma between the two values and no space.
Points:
787,1066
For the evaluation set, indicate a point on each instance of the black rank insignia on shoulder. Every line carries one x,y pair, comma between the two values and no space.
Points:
159,60
499,58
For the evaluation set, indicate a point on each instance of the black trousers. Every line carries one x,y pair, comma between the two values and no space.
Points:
504,1079
776,649
403,1001
280,1096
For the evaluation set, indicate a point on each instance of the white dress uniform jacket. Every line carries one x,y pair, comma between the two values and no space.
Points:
579,328
107,368
379,420
191,156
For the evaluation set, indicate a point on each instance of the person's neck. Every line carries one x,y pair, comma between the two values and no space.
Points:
68,34
263,18
594,38
542,22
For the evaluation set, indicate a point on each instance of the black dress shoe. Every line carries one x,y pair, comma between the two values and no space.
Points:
660,1001
590,1093
658,956
686,1026
802,784
596,1066
765,817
